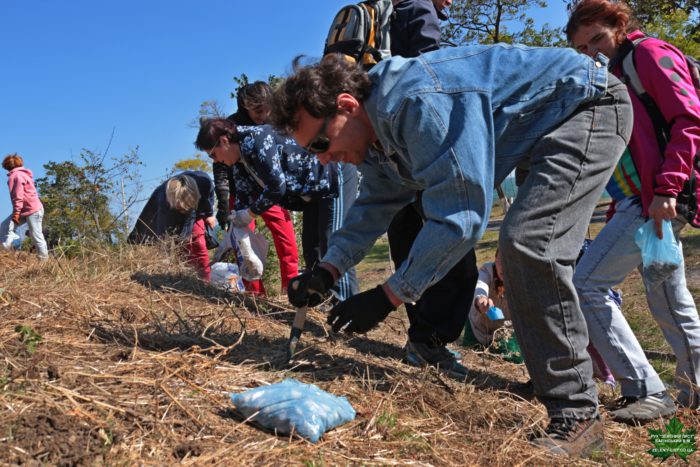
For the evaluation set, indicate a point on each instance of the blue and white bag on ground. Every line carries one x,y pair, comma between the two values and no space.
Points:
660,257
291,406
226,276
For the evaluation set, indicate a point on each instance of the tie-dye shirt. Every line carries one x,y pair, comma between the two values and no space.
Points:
625,179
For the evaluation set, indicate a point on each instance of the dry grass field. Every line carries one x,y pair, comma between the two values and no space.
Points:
121,357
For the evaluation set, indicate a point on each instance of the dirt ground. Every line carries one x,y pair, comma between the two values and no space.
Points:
122,357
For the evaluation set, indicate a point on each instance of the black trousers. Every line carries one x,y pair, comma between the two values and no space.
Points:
439,316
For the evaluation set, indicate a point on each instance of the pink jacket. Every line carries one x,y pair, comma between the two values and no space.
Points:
671,88
23,192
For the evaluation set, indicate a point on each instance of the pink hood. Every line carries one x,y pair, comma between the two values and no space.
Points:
25,200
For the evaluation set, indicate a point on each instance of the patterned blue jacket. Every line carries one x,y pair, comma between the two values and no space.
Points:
274,169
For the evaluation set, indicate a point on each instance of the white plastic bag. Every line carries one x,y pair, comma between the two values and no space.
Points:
227,277
253,250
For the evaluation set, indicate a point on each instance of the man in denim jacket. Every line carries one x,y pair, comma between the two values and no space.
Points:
453,123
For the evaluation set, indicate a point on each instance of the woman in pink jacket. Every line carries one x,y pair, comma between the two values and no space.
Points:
649,176
26,206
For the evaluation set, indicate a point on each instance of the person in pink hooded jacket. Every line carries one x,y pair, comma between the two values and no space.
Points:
26,206
645,184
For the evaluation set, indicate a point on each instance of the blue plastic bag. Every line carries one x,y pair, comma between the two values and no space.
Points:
660,257
293,406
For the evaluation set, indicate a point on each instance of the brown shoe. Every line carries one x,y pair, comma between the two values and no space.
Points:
571,437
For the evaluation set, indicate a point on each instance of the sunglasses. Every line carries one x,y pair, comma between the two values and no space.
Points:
320,143
210,152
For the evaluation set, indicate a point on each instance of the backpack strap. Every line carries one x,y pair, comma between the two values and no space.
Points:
631,78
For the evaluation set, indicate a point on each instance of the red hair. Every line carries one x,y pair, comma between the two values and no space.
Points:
615,14
12,161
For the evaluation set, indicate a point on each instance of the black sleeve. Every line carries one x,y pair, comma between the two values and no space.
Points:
415,28
222,185
205,208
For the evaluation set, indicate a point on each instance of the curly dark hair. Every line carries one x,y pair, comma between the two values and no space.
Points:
211,129
615,14
316,87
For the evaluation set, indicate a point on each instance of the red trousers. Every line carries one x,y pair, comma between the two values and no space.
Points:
197,253
278,220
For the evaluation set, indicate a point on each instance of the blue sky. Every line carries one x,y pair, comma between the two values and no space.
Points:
73,71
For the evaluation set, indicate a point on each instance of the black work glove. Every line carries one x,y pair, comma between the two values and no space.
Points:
310,288
363,311
222,219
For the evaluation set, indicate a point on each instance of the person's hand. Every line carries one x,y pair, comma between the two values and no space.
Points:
222,218
310,288
662,208
211,220
243,218
362,311
15,218
482,303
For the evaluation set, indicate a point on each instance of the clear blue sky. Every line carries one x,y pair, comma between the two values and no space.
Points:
75,70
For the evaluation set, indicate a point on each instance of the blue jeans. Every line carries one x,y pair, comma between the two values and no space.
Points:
34,221
322,218
609,259
540,240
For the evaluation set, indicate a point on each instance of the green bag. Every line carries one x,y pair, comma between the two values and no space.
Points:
508,348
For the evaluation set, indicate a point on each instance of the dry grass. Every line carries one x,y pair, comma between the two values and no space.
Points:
137,357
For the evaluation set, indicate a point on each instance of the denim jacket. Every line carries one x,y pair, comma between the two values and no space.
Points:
274,169
453,123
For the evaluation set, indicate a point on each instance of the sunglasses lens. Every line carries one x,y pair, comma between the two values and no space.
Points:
319,145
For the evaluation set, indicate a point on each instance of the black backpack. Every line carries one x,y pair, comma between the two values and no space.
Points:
687,200
360,32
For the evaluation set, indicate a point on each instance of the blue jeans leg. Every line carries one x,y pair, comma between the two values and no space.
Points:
672,306
7,233
322,218
540,240
608,260
35,221
347,285
611,256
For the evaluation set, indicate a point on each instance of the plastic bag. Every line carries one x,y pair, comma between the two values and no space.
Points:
291,406
250,249
660,257
227,277
253,249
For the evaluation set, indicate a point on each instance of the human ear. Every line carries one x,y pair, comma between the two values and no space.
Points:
346,102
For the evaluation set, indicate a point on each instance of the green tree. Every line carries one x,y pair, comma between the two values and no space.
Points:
675,27
78,196
493,21
650,12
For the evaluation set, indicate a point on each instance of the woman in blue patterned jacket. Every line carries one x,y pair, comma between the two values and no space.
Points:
272,169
